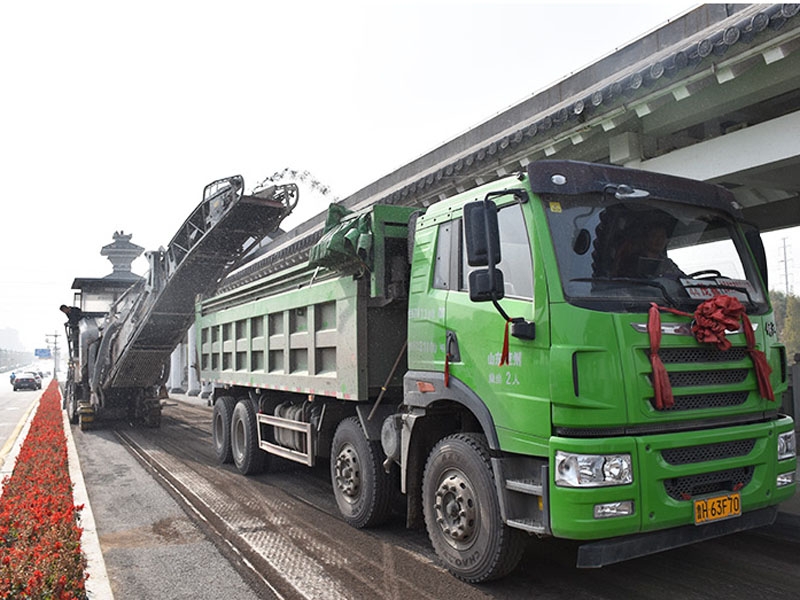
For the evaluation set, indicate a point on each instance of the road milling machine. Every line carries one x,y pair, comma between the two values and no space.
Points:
119,362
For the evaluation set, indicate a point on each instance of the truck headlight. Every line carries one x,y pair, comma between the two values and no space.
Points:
592,470
787,446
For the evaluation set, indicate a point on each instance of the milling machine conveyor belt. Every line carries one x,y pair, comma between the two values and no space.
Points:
150,320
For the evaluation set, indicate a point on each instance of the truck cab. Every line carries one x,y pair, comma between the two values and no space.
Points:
546,349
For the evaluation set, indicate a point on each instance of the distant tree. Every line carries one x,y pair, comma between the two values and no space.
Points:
11,359
778,299
790,334
10,340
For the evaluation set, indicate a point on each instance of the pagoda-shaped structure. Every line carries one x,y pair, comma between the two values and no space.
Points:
94,296
121,252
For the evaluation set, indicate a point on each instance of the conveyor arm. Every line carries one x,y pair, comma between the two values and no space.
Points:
147,323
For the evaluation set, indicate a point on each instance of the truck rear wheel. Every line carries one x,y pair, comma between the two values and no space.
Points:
360,485
247,456
462,511
221,428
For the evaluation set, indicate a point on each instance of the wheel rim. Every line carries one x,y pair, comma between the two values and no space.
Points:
348,473
237,440
456,509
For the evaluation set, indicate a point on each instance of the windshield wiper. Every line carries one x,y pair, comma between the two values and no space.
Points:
643,282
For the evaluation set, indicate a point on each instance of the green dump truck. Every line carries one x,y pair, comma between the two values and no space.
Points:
577,351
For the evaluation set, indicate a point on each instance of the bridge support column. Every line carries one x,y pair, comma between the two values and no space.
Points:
193,366
176,371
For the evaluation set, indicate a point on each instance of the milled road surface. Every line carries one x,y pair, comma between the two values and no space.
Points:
279,535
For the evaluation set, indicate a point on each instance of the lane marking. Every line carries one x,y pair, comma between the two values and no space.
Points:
11,442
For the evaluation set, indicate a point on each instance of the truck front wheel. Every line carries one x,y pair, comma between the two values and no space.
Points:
360,485
221,428
462,511
247,456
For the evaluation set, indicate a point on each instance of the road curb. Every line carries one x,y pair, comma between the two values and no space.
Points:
98,585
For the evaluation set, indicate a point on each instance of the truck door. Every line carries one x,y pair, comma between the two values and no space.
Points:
427,306
514,386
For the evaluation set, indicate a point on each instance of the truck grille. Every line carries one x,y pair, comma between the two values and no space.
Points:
684,488
671,356
680,380
707,452
693,378
698,401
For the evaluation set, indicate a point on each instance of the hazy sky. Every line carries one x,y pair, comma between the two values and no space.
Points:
115,115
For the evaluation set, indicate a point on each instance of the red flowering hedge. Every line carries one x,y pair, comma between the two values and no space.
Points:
40,551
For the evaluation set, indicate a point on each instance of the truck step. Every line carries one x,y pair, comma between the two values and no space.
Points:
306,457
525,486
529,525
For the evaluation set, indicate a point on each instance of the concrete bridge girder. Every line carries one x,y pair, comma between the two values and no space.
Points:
758,163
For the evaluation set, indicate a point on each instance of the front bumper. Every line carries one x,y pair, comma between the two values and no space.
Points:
670,471
614,550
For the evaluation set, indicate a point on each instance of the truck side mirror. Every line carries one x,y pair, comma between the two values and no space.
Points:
483,287
482,237
481,233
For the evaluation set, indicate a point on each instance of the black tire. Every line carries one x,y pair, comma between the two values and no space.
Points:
74,416
71,403
247,456
221,428
152,413
360,485
462,511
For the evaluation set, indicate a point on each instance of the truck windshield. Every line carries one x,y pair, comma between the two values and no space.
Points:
621,255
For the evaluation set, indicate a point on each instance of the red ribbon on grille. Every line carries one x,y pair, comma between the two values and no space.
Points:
661,387
759,359
711,319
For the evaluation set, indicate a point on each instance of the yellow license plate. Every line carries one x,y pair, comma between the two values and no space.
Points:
716,508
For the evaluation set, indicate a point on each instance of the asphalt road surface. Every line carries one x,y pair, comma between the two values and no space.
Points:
279,535
14,406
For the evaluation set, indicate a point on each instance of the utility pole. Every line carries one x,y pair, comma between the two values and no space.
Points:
55,349
785,268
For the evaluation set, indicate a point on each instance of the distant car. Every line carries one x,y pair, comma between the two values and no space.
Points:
26,381
37,376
